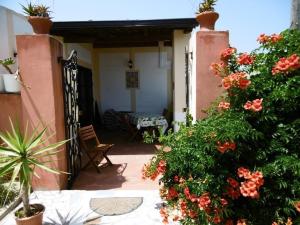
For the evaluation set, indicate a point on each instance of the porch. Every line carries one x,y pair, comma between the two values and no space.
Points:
108,52
128,159
131,66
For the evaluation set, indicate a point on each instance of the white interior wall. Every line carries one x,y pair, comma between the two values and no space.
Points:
12,24
152,96
113,92
154,76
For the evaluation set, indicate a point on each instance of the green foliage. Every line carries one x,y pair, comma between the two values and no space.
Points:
21,154
207,5
6,63
36,10
6,196
266,140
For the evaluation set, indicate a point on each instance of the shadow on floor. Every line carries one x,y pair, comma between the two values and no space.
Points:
125,173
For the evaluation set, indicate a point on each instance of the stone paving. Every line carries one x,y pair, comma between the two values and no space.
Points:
77,203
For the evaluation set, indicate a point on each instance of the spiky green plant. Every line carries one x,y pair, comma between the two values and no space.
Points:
207,5
29,9
6,63
75,217
36,10
21,154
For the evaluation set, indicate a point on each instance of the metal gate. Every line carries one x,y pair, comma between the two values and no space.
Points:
70,87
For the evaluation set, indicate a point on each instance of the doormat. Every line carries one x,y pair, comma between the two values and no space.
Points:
115,206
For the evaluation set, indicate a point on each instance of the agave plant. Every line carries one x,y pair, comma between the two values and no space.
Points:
207,5
36,10
6,63
71,218
20,154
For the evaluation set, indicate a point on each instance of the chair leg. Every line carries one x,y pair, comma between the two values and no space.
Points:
91,160
107,159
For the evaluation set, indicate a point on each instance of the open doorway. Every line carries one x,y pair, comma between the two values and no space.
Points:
85,96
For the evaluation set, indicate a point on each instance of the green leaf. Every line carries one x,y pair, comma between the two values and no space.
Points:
15,174
49,148
38,164
35,140
8,152
7,167
10,141
17,133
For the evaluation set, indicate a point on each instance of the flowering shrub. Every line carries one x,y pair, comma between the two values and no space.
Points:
240,165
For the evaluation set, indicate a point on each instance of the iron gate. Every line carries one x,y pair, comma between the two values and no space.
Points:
70,87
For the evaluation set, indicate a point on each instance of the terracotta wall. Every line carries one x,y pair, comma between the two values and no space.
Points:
10,106
209,45
42,102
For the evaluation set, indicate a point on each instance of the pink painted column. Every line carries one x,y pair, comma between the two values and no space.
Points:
209,46
42,100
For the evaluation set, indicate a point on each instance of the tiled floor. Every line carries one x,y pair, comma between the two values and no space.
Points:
128,160
125,173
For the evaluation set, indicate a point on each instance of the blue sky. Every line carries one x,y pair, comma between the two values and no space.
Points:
245,19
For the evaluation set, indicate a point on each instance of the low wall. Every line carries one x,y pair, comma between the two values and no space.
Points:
10,106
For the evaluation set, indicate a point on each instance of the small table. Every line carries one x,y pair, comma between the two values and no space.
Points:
142,120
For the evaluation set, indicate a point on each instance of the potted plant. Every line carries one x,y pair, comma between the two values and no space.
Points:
38,17
20,154
10,81
206,15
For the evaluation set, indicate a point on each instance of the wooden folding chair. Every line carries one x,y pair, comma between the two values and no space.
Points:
133,131
94,153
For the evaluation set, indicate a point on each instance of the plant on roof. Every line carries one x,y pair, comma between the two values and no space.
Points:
21,154
207,5
36,10
6,63
241,164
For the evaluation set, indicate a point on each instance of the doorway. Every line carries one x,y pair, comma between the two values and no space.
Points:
85,92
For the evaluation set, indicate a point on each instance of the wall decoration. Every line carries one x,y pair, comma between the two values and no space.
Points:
132,79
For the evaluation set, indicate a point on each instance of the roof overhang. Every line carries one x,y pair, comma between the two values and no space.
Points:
127,33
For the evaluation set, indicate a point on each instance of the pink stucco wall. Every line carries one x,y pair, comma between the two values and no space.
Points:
208,49
42,101
10,107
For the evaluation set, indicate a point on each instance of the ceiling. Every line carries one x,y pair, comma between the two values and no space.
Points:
127,33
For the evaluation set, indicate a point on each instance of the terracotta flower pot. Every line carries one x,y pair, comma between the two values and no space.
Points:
207,20
36,219
40,25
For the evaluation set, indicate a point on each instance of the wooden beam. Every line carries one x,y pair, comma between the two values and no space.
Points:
129,44
129,37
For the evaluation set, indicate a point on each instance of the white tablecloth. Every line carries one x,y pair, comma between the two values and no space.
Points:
148,120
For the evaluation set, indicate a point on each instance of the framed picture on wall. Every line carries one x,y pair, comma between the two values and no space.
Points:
132,79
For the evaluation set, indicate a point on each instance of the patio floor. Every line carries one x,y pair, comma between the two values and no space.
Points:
76,205
123,179
125,173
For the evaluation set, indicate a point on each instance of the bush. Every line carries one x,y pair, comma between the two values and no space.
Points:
240,165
